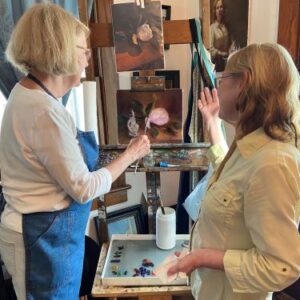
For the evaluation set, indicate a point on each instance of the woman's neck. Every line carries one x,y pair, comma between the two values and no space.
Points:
219,20
56,84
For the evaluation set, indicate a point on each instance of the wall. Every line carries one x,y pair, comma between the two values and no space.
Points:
263,21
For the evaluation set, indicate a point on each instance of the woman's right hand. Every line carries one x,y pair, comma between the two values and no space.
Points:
208,105
138,147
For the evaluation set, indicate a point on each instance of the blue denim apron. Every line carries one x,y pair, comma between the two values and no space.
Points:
54,242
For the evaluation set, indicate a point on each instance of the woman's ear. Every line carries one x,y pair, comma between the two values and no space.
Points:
241,84
242,81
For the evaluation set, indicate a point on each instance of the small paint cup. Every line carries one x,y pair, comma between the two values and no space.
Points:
166,228
148,160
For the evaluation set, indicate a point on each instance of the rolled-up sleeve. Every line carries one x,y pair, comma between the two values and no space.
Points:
216,154
271,212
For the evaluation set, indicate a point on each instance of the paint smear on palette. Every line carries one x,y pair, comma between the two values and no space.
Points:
161,111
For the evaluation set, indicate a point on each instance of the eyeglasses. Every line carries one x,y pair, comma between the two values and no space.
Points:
220,77
87,51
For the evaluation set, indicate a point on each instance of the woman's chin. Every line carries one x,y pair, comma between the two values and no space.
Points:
77,83
75,80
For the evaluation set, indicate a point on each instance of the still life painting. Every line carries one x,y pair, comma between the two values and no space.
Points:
156,113
138,36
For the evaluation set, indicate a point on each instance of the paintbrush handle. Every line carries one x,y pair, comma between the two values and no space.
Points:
137,163
136,166
162,207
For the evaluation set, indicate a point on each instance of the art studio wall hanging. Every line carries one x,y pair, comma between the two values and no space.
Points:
138,36
228,29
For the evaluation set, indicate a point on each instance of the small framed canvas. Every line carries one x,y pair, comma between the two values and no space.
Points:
138,37
172,77
157,113
129,220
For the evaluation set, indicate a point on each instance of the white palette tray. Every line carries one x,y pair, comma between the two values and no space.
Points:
127,252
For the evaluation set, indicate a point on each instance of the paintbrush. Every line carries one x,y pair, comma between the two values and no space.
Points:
145,130
147,125
162,206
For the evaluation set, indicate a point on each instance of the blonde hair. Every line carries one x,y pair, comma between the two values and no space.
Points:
270,97
45,39
215,8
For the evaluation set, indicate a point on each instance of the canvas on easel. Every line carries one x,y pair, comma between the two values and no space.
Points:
138,36
161,111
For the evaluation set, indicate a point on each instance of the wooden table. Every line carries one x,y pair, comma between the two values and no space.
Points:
141,293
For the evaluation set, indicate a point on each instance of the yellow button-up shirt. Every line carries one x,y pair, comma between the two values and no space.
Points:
252,213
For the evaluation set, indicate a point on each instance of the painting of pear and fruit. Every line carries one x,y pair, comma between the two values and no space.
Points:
138,36
156,113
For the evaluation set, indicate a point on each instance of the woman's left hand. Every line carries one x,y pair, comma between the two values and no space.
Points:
207,258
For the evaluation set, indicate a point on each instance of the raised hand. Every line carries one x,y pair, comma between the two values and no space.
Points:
208,105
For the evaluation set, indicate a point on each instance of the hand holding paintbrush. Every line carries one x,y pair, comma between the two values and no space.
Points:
139,147
147,123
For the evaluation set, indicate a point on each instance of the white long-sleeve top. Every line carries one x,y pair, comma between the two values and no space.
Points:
42,167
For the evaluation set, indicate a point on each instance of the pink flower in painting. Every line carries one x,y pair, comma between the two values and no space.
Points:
159,116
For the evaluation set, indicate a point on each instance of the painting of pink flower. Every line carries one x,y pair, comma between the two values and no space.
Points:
158,113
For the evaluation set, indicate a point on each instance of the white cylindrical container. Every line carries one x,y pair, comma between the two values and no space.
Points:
90,106
166,228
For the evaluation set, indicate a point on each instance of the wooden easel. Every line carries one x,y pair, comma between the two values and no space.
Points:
101,41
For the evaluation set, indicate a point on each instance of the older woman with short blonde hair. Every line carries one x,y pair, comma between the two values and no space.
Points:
45,39
245,244
48,173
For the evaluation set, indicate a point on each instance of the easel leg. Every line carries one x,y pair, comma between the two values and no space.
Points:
153,194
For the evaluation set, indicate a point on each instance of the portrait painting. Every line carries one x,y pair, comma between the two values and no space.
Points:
228,29
138,36
156,113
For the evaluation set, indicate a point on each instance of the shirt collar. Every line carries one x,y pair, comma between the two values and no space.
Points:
252,142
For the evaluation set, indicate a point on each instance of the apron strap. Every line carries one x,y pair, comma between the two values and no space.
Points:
208,78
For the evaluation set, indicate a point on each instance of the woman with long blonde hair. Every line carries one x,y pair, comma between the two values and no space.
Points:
245,244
